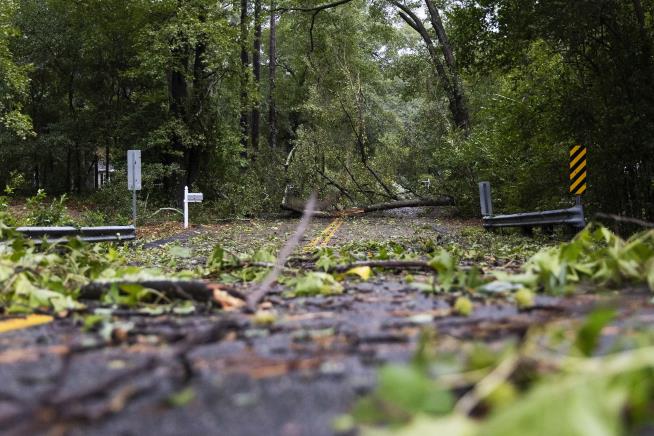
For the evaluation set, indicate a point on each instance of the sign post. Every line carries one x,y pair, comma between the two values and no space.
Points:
190,197
134,177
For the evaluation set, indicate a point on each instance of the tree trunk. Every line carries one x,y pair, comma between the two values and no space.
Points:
78,169
256,72
106,162
272,67
244,76
420,202
95,173
178,92
194,156
446,73
68,174
461,115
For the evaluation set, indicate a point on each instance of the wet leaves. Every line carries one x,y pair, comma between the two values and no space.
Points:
525,298
364,272
463,306
314,283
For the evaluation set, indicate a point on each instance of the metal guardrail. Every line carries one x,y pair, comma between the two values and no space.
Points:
572,217
86,234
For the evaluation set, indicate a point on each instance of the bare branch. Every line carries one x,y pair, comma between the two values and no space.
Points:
330,181
315,8
255,297
626,220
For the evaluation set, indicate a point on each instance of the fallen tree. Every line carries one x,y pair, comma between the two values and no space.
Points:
173,289
444,200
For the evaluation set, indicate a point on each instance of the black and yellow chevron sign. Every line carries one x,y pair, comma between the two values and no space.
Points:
578,169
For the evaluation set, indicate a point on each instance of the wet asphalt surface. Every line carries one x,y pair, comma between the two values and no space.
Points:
218,372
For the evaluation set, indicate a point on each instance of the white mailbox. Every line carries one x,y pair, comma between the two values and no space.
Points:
190,197
194,197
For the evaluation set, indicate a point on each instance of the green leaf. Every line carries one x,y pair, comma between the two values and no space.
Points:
590,332
264,255
181,398
463,306
573,406
325,262
409,389
216,260
316,283
423,425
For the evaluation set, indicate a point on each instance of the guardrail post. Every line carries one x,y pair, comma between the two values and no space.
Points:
485,199
580,206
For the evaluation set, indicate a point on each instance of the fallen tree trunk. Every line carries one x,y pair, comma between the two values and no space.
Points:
174,289
316,213
420,202
386,264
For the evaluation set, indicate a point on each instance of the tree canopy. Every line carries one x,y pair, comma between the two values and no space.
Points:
258,103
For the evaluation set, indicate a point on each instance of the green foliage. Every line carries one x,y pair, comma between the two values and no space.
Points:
577,396
402,392
571,406
13,78
314,283
49,277
41,213
595,254
589,333
540,81
517,143
360,117
451,276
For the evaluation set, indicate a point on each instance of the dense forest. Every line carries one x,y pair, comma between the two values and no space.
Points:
364,101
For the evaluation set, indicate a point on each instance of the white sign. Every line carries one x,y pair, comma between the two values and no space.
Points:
195,197
134,170
190,197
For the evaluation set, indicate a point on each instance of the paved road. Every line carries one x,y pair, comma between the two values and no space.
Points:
218,372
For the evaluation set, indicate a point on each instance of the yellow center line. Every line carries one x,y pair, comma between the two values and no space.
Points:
337,223
23,323
325,236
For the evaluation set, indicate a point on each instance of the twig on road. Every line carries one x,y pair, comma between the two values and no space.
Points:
255,297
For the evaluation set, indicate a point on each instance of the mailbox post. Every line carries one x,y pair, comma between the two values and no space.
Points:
190,197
